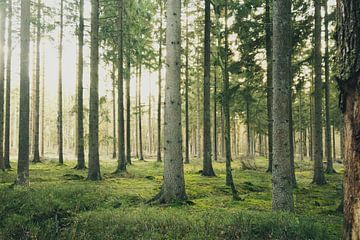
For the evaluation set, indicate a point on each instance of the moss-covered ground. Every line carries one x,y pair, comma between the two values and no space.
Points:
61,204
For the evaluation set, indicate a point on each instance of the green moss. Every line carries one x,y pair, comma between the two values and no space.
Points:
60,204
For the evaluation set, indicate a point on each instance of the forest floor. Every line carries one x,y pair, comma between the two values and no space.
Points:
61,204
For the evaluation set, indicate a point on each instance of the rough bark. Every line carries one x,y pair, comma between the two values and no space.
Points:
207,161
36,151
2,79
328,153
94,163
173,189
282,197
319,177
348,77
269,82
23,152
8,88
60,92
120,89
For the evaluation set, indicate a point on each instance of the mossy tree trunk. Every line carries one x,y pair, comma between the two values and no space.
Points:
282,196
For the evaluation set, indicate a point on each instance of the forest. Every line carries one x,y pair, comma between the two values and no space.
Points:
170,119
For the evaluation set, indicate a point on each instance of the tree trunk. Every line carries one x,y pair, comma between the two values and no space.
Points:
291,134
141,156
333,143
215,116
248,134
2,79
149,120
319,177
8,88
94,163
114,110
226,107
79,89
128,110
198,135
187,157
120,89
43,104
36,151
329,166
174,185
207,162
282,197
269,82
23,155
60,108
158,155
348,77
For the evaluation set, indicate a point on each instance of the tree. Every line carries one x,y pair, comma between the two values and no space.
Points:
348,78
329,166
120,66
207,164
36,151
282,198
158,158
114,109
2,78
94,163
79,91
226,109
23,152
187,157
173,188
8,88
319,177
60,92
128,109
268,46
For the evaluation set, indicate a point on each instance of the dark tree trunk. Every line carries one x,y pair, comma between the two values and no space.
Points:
114,110
79,94
8,88
60,93
2,80
348,77
215,116
329,166
128,110
319,177
120,83
94,163
226,108
291,134
36,151
269,82
282,197
23,154
207,162
158,155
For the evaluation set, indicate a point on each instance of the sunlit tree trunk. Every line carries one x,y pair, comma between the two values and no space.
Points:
319,177
8,88
94,163
282,198
23,151
173,189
